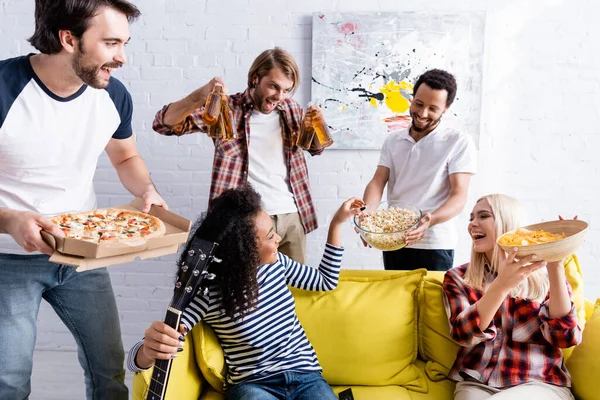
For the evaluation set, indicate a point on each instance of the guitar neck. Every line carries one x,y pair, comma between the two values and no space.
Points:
162,368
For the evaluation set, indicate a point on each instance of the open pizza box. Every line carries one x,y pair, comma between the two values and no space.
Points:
86,255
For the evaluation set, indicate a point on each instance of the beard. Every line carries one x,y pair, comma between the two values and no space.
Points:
427,128
260,101
87,71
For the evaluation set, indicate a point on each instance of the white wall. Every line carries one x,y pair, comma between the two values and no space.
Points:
539,125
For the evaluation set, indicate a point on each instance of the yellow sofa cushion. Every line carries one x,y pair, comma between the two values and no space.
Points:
435,344
584,363
575,278
443,390
210,356
185,383
365,331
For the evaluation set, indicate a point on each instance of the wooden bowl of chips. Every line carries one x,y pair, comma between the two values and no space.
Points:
550,241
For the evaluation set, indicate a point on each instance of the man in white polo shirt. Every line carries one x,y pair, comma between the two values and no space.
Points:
430,166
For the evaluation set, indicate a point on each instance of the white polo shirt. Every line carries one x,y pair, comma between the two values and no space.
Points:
419,174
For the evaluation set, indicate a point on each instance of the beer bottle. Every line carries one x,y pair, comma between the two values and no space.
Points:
321,129
307,133
216,131
212,108
227,117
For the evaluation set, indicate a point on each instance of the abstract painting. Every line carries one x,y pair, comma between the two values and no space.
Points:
364,66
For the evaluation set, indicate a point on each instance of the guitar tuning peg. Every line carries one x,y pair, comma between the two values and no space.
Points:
217,260
203,257
191,252
184,268
210,276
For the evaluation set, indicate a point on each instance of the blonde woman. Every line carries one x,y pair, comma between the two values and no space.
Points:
510,316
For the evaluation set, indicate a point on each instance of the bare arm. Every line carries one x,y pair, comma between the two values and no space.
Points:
179,110
559,303
374,189
459,188
132,171
511,273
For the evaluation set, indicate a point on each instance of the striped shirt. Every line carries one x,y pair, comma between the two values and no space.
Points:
522,343
230,164
270,340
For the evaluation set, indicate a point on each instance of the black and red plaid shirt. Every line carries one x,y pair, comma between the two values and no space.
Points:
230,165
522,343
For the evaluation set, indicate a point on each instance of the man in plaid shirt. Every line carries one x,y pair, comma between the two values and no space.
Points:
264,154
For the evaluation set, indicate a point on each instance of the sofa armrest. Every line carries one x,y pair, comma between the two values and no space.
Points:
185,381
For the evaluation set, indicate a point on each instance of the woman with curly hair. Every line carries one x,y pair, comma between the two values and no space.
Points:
510,316
249,305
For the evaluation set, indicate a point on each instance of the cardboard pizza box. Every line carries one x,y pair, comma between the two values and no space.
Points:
85,255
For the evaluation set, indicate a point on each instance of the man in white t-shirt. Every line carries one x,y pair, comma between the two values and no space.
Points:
59,110
430,166
267,121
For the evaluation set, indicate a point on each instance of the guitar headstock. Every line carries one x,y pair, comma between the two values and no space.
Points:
193,270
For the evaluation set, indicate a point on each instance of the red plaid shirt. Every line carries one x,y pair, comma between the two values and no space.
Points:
230,165
522,343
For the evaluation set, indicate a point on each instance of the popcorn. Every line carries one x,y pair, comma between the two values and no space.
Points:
387,227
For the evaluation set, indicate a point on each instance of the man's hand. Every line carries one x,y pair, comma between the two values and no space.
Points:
151,197
416,234
25,227
200,95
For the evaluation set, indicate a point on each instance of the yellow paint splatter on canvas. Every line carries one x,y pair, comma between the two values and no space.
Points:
394,100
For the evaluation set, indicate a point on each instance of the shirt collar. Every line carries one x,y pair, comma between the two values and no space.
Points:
435,132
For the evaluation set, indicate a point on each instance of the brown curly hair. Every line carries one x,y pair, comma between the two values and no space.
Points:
230,221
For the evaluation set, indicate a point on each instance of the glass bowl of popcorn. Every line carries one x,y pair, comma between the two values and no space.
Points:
385,225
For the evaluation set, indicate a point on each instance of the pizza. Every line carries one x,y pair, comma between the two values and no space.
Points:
109,226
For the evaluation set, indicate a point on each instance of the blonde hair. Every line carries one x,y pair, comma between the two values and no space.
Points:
508,215
274,58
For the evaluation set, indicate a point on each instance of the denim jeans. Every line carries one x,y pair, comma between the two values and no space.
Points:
284,386
410,259
84,302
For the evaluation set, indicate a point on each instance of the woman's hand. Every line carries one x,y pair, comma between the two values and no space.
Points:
511,271
160,342
560,217
348,208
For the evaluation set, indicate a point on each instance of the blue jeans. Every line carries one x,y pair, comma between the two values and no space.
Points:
84,302
284,386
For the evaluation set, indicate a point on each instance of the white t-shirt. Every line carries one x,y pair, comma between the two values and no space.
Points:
419,174
267,171
49,146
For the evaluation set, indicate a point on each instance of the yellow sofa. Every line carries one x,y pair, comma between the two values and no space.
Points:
382,333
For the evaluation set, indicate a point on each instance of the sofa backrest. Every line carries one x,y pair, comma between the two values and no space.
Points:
365,331
369,330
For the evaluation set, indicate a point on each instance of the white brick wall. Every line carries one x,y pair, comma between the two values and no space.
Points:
539,135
